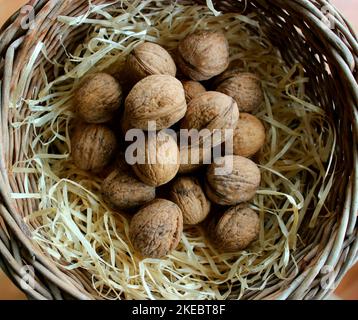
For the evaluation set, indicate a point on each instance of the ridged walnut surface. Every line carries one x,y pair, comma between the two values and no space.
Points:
158,98
203,55
97,98
156,229
162,160
187,193
93,146
249,135
148,59
235,186
213,111
236,229
245,88
122,190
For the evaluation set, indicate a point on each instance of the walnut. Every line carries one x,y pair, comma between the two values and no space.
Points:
187,193
236,229
233,186
97,98
93,146
211,111
158,98
149,58
122,190
235,67
203,54
161,160
249,135
192,89
245,88
156,229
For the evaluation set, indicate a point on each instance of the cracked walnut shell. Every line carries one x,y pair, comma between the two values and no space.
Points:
203,54
238,183
93,146
158,98
236,229
97,98
187,193
150,58
156,229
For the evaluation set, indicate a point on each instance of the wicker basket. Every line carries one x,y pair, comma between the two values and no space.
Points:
298,28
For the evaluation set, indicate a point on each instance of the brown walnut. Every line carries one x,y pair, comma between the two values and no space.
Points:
122,190
93,146
150,58
211,111
158,98
245,88
156,229
249,135
233,186
203,55
192,89
160,162
187,193
236,229
97,98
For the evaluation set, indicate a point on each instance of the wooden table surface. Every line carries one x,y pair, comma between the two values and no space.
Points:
348,289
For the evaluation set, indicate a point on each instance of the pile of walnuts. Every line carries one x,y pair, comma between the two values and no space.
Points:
188,194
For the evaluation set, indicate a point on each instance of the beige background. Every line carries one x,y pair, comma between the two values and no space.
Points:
349,286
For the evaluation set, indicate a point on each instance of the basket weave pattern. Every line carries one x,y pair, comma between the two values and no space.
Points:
329,55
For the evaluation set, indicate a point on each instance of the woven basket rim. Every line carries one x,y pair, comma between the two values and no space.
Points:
341,249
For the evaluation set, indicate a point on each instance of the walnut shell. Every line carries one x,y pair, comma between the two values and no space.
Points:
245,88
203,54
161,160
97,98
122,190
236,229
235,67
158,98
150,58
212,111
187,193
93,146
249,135
192,89
234,186
156,229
